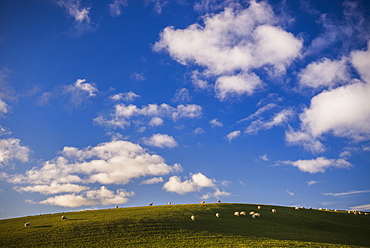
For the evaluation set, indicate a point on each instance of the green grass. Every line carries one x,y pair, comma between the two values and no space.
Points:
171,226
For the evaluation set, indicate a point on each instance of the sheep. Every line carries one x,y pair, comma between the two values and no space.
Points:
348,211
242,213
168,203
192,217
296,208
273,210
218,201
259,207
64,217
116,206
236,213
202,202
320,208
27,224
366,213
217,215
251,213
150,204
256,215
326,209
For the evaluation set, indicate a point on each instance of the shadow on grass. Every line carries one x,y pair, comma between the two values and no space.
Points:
43,226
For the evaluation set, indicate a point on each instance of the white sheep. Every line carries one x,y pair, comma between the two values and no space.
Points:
256,215
242,213
202,202
150,204
335,210
116,206
252,213
27,224
320,208
296,208
273,210
64,217
217,215
192,217
168,203
348,211
236,213
366,213
259,207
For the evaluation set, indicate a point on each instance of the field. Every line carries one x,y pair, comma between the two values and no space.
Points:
171,226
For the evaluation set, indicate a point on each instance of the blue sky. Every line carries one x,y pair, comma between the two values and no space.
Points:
120,102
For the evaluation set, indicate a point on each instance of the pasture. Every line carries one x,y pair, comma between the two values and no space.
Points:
171,226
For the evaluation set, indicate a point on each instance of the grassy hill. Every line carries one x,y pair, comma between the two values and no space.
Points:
171,226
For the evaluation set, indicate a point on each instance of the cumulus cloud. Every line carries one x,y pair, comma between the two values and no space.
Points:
182,95
156,121
217,194
325,73
102,196
115,162
124,113
229,45
161,141
11,149
53,188
307,141
320,164
361,61
115,8
79,92
278,119
153,180
4,108
233,135
194,184
127,96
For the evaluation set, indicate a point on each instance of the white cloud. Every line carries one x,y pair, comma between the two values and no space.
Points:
352,192
124,113
127,96
233,135
320,164
4,108
259,112
229,45
196,183
278,119
153,180
198,130
361,61
306,140
156,121
215,123
312,182
161,141
115,162
344,111
325,73
82,21
290,193
365,207
79,92
217,194
137,76
115,7
102,196
11,149
264,157
53,188
182,95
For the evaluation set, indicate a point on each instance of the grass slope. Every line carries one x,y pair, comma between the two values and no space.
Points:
171,226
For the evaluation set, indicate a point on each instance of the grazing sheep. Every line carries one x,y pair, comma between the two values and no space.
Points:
252,213
192,217
296,208
309,208
348,211
168,203
366,213
242,213
217,215
116,206
27,224
219,201
259,207
326,209
202,202
236,213
256,215
64,217
150,204
273,210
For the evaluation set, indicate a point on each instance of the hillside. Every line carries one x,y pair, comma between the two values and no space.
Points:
171,226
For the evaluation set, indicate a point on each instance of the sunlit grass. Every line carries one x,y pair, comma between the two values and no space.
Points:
171,226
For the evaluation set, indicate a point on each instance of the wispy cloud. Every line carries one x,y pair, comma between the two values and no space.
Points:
320,164
290,193
115,8
365,207
348,193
